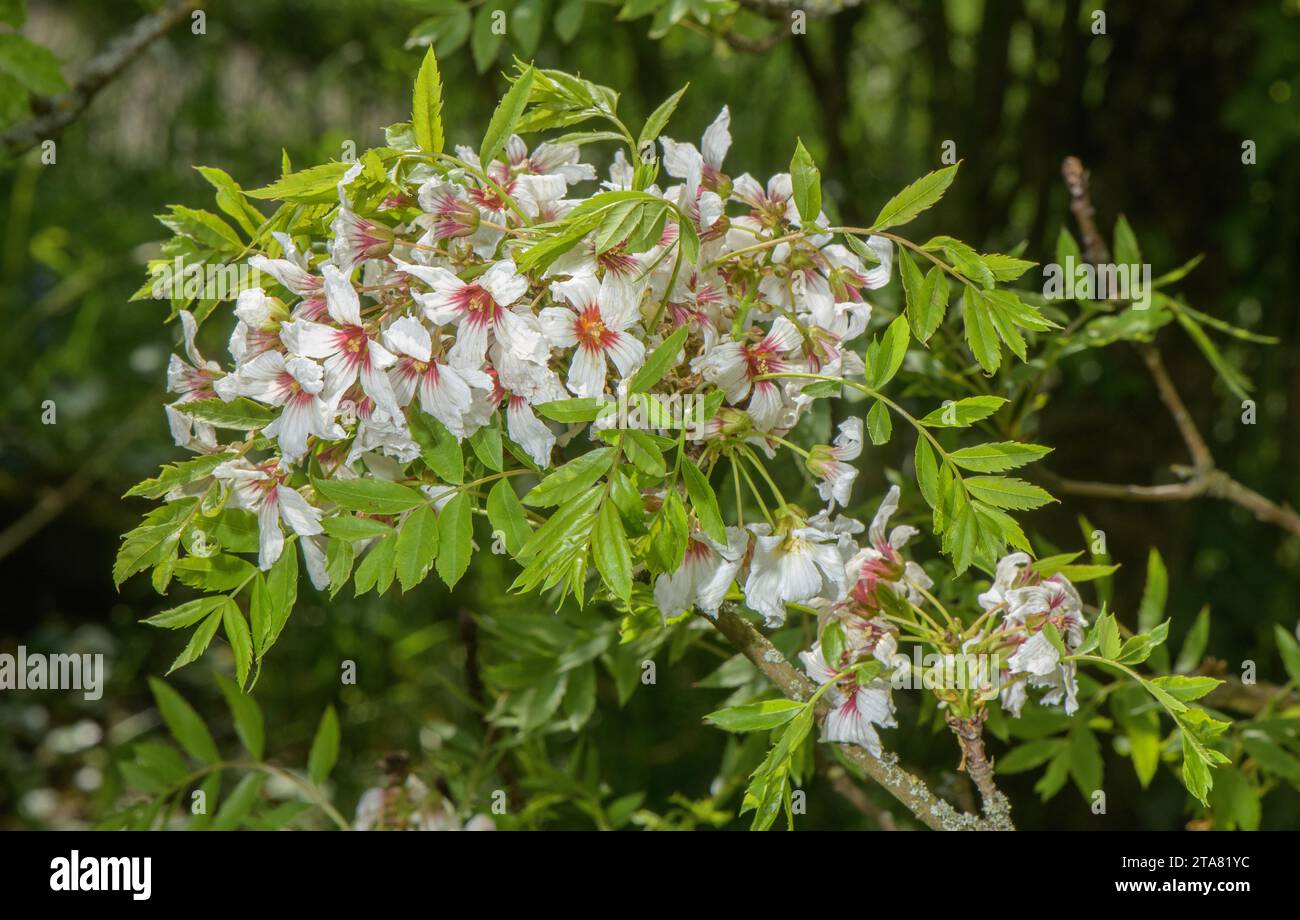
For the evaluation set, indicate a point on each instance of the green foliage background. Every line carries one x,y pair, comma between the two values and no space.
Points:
1157,108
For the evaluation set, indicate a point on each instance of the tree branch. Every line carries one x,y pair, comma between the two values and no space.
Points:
62,110
908,788
1202,478
975,760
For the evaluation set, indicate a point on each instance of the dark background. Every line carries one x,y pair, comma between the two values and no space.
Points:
1157,108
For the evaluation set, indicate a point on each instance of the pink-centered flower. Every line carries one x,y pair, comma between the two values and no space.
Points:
479,309
736,368
262,490
349,349
596,325
708,569
833,466
297,384
444,390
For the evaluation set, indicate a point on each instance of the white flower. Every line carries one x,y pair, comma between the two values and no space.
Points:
833,465
444,390
528,431
597,322
856,710
707,571
735,366
262,491
296,384
794,567
350,351
478,308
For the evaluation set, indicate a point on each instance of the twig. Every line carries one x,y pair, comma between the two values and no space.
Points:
975,760
1202,478
908,788
62,110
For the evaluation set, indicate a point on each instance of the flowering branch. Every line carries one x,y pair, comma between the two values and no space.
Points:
903,785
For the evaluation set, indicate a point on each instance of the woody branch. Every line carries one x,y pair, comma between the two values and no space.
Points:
1202,477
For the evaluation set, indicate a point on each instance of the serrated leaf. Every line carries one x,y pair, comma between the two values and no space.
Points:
324,747
755,717
806,179
426,105
911,201
571,479
998,456
372,496
417,545
506,115
184,723
609,548
1008,492
507,516
704,501
455,538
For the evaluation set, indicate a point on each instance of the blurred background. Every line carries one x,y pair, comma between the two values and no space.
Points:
1158,108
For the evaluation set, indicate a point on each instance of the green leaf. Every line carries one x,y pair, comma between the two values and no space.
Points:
240,414
1108,639
173,476
571,479
669,533
926,308
506,515
455,538
378,567
658,119
1189,656
201,638
240,639
235,809
32,65
426,106
610,550
486,443
704,501
1008,492
1086,765
485,41
807,181
756,717
1186,689
247,716
662,358
184,723
644,453
438,446
1289,651
373,496
981,333
506,115
963,412
350,528
187,614
1029,755
911,201
324,747
417,544
219,572
155,541
573,411
879,423
885,357
998,456
1126,244
319,184
272,601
